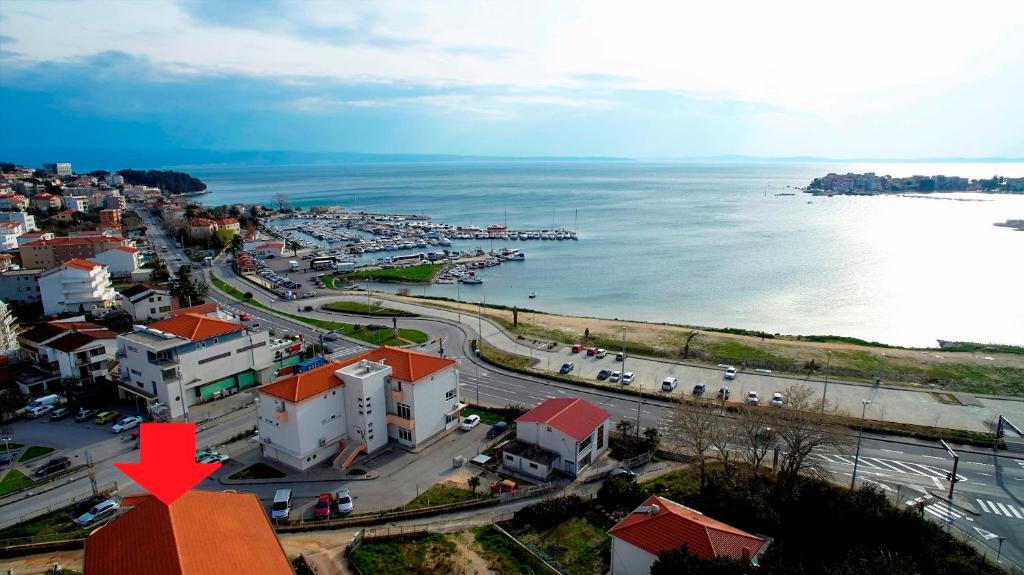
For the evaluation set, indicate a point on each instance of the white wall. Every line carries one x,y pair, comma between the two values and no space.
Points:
628,559
366,403
293,436
119,262
429,405
549,438
145,310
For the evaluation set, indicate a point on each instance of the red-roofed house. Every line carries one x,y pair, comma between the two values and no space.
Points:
229,224
560,435
76,286
76,351
268,250
9,232
13,202
201,228
45,202
47,253
359,404
662,525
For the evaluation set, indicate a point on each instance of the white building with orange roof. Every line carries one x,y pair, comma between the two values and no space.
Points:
9,232
122,261
340,409
75,286
193,358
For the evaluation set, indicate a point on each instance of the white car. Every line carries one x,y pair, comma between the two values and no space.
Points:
752,398
38,411
344,500
730,373
470,422
669,383
627,378
101,510
212,458
776,399
129,422
615,376
601,353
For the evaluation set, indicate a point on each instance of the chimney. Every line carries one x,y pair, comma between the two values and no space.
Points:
745,555
654,509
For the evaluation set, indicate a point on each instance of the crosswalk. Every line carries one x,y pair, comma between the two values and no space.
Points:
938,509
343,350
997,508
888,465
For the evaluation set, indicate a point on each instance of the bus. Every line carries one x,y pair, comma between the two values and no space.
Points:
321,264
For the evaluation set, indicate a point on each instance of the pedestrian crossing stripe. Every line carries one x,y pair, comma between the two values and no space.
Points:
889,465
997,508
939,509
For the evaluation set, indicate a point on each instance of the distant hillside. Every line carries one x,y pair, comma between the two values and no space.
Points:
169,181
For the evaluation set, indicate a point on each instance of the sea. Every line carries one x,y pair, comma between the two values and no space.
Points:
706,244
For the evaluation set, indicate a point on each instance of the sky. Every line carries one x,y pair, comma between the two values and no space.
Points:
867,79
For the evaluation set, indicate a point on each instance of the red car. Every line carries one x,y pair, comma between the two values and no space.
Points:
591,351
576,348
323,506
243,316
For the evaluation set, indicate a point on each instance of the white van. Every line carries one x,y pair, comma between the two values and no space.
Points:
669,384
282,507
52,399
293,265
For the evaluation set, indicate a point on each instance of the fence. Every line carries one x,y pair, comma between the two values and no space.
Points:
7,522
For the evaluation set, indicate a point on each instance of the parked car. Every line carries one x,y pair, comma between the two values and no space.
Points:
470,422
591,351
604,373
497,429
567,367
38,411
322,509
723,393
204,453
503,486
282,506
106,417
84,414
620,356
698,390
330,336
243,317
777,400
752,398
307,308
730,372
622,472
6,457
669,383
99,512
615,376
343,500
52,466
126,423
60,413
627,378
576,348
212,458
601,353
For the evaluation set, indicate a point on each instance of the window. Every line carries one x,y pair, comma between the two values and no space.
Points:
404,434
533,466
600,436
585,444
508,457
449,394
404,411
450,418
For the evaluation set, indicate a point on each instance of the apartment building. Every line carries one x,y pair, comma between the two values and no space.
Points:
194,358
146,303
27,221
564,435
13,202
68,349
46,202
122,261
110,219
9,232
48,253
337,410
77,203
76,286
20,286
9,346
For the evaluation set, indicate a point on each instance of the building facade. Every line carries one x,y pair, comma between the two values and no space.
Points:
48,253
564,435
20,286
9,346
146,303
76,286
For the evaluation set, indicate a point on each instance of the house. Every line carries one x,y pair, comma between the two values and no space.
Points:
9,346
6,262
29,237
268,250
191,358
201,228
201,533
122,261
13,202
560,435
146,303
115,202
76,203
85,357
110,219
9,232
46,202
47,253
20,286
229,224
64,216
75,286
662,525
360,404
50,363
27,220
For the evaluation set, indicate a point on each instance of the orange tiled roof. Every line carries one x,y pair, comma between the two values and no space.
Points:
81,240
196,327
574,417
227,222
304,385
674,525
201,309
126,249
202,533
406,365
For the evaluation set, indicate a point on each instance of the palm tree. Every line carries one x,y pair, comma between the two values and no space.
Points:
474,482
294,246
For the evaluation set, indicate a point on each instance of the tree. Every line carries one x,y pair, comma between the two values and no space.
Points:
294,246
686,344
189,292
10,402
620,493
625,427
692,431
804,426
159,273
236,244
281,200
757,435
723,440
473,483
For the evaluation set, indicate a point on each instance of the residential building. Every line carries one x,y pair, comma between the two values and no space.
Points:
6,262
13,202
77,203
30,237
27,220
146,303
660,524
85,357
268,250
201,228
76,286
9,232
343,408
51,361
200,533
110,219
20,286
64,216
560,435
115,180
229,224
193,358
208,309
47,253
122,261
61,169
9,346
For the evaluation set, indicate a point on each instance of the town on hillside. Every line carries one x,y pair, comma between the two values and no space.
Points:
871,184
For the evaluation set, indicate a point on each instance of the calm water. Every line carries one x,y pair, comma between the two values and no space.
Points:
704,244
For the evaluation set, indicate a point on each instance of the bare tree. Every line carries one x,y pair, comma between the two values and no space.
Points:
803,428
281,200
693,430
723,439
757,435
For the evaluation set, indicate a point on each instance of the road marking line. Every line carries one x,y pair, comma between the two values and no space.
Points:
936,481
1003,508
1014,511
891,450
882,462
933,457
994,509
863,461
983,506
913,470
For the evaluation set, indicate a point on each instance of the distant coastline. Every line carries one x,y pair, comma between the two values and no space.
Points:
1015,224
870,184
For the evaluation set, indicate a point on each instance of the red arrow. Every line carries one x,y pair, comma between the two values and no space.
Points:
167,465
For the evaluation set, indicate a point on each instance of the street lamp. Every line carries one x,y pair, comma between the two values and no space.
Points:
999,552
952,475
856,459
828,364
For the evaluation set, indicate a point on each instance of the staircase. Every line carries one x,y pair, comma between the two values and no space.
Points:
348,453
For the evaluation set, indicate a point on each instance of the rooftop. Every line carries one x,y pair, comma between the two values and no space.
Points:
661,524
572,416
202,533
78,339
196,327
304,385
201,309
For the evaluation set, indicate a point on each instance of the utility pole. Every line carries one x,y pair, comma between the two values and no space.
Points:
828,364
860,434
639,397
952,477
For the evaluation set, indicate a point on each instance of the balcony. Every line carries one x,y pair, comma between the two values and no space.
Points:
79,362
163,361
171,376
406,424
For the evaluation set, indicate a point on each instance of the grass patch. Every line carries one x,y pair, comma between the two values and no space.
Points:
488,416
13,481
578,546
259,471
504,358
366,309
380,337
504,556
433,553
731,350
680,485
423,273
328,281
441,494
53,526
34,452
